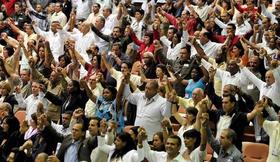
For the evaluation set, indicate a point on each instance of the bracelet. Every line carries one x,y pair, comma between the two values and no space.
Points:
174,102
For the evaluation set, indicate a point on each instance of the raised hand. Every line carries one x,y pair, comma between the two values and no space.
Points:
204,119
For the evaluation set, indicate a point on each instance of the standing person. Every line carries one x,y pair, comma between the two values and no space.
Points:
172,147
151,107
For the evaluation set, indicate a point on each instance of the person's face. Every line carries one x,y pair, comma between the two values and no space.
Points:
28,29
175,39
150,91
119,143
230,30
225,17
277,5
272,43
17,8
53,27
157,143
3,91
159,72
227,105
197,96
38,8
146,40
24,75
232,67
239,19
195,75
235,50
189,118
93,127
253,62
57,8
35,88
98,23
5,126
116,33
224,141
184,55
200,3
170,34
5,53
124,69
32,123
132,134
11,157
62,62
92,81
106,12
77,132
70,87
107,94
41,52
224,4
66,120
250,5
138,16
116,49
189,142
95,8
227,90
269,78
54,77
172,146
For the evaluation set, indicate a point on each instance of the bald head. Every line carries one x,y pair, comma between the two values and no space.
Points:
42,157
197,95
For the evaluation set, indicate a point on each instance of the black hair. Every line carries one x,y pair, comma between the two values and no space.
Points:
140,11
177,138
150,35
13,124
129,65
34,118
66,58
232,25
10,50
113,90
163,68
193,111
193,133
130,145
231,97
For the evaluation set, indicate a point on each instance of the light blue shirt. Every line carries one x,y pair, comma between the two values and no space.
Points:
71,154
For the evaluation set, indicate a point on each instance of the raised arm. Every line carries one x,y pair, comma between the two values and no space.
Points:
89,93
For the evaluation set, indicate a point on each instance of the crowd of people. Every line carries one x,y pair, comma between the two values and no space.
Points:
108,80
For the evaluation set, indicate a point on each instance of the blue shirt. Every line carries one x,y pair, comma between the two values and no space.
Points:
71,154
193,85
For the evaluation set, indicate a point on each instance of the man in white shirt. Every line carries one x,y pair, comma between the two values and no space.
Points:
270,88
55,37
111,20
95,8
58,15
31,102
83,8
172,147
242,26
151,108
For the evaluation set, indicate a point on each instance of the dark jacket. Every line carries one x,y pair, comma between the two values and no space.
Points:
84,149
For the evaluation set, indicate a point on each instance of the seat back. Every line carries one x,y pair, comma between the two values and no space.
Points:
254,152
20,115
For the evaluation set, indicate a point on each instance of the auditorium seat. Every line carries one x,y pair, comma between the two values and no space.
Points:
254,152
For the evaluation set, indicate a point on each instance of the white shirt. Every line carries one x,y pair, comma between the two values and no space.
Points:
222,25
180,133
159,156
272,128
83,9
92,18
243,28
56,41
210,48
135,79
60,17
130,156
137,28
271,91
201,11
173,52
149,113
237,79
90,107
110,22
30,103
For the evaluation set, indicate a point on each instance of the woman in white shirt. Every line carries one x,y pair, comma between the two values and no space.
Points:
123,150
187,122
